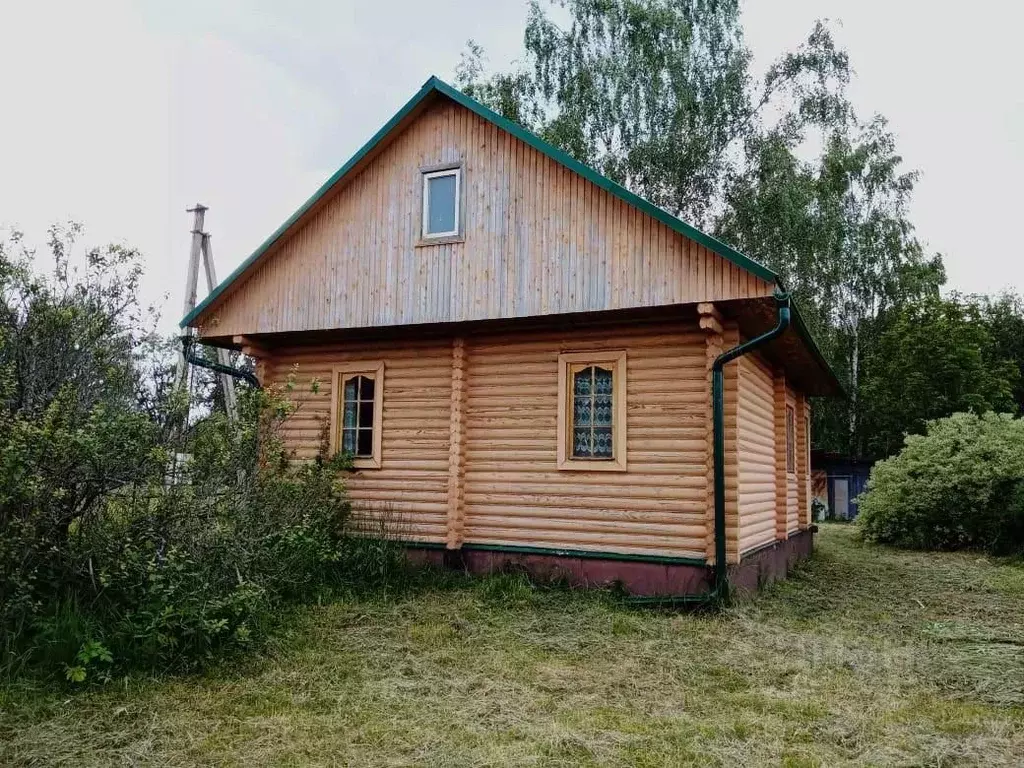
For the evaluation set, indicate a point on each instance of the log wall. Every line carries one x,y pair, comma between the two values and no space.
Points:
793,483
757,445
803,460
410,490
515,494
730,338
469,441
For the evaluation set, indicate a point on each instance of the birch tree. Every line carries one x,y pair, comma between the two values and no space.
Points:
655,94
660,95
837,229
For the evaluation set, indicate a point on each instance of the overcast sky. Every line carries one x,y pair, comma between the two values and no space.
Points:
120,115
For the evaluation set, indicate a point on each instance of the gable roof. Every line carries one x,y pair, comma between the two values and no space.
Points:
435,86
431,89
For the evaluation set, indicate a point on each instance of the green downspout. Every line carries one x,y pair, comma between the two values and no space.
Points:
721,590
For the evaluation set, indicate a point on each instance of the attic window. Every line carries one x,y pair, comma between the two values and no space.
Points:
441,203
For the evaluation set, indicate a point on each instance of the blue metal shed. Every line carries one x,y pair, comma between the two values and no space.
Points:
845,479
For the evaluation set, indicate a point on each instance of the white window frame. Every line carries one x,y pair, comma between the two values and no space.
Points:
427,176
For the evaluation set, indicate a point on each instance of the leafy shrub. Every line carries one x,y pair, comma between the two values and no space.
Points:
161,576
960,485
139,529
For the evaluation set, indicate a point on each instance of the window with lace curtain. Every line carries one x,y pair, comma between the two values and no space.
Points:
592,411
356,412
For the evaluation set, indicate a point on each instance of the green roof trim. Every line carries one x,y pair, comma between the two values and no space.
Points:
337,176
435,85
812,344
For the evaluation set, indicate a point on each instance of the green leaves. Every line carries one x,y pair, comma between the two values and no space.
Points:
92,656
836,229
107,559
168,576
657,95
961,485
928,360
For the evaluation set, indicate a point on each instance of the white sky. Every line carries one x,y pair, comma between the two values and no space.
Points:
120,115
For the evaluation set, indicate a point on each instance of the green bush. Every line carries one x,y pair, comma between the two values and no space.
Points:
146,574
139,529
959,486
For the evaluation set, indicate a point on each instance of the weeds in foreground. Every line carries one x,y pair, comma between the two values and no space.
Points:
866,656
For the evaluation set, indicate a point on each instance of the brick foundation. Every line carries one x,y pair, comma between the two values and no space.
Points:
638,578
770,563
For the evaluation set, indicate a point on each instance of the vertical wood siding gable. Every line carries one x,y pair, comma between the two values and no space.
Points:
539,239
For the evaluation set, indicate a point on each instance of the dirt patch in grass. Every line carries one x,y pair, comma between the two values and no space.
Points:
868,656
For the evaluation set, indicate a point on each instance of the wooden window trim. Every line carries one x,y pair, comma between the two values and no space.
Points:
339,374
790,440
426,174
568,361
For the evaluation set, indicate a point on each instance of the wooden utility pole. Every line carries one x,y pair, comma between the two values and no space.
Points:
201,248
223,356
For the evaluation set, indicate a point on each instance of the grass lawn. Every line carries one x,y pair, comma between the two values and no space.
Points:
868,656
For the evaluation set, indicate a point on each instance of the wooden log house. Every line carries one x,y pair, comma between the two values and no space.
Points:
519,353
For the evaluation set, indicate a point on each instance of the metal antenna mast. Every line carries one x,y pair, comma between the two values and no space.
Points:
201,248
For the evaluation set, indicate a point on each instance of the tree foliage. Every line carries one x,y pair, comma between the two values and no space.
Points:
131,534
660,96
960,485
82,330
837,230
931,359
1004,319
655,94
834,228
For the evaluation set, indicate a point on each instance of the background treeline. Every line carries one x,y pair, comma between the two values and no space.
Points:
660,96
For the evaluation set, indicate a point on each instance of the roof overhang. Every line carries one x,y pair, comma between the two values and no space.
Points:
795,351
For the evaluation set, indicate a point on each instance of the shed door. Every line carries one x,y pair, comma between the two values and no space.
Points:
841,497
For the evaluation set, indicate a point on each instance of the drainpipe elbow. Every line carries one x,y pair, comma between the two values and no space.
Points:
782,303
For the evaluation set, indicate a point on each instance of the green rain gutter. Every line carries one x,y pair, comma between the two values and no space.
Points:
188,344
721,589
